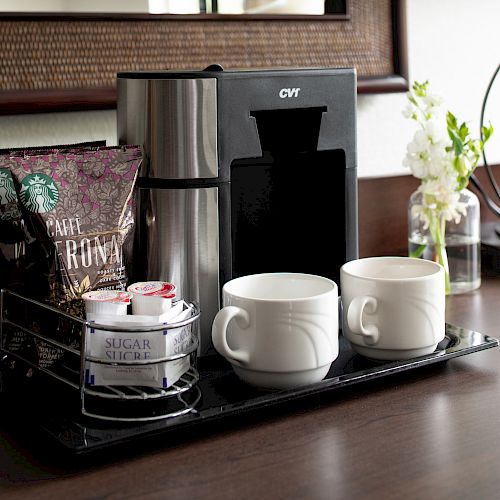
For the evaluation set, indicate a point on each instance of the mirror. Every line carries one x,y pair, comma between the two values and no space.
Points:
292,7
68,61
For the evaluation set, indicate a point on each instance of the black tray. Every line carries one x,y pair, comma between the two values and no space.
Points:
219,394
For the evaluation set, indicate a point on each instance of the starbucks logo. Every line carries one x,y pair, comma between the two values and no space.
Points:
8,197
39,193
7,190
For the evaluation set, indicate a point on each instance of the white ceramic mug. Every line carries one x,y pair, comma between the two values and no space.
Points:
393,307
278,330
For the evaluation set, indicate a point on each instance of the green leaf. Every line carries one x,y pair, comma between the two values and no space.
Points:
458,145
412,99
462,183
420,89
460,166
463,131
486,132
473,146
417,253
451,120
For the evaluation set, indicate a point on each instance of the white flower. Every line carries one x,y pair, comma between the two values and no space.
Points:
409,110
418,211
416,163
434,132
432,101
443,166
443,158
426,153
440,195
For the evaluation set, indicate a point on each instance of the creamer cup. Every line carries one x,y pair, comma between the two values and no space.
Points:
113,302
151,297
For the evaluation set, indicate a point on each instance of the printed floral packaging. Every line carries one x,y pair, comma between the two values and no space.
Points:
77,209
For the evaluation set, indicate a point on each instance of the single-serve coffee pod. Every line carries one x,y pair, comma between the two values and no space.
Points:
152,297
113,302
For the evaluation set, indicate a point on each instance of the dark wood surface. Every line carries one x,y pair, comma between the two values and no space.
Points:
429,433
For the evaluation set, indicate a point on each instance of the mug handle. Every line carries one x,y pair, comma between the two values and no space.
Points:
219,332
355,310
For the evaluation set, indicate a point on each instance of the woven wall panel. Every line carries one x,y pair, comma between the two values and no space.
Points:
37,54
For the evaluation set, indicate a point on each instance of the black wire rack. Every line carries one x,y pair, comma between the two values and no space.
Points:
37,338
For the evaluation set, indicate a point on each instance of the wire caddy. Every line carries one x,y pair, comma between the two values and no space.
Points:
38,338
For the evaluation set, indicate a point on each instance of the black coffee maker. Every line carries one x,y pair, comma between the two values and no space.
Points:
244,172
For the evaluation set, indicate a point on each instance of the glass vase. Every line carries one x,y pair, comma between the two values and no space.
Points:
456,246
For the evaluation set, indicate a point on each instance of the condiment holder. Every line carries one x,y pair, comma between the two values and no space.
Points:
138,339
109,370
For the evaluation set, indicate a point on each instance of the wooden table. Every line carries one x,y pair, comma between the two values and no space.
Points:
430,433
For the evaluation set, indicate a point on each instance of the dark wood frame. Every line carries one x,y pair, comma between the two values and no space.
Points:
22,100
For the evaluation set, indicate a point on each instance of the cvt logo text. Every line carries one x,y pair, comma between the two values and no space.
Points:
289,92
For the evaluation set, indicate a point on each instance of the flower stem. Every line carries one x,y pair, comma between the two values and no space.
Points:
438,229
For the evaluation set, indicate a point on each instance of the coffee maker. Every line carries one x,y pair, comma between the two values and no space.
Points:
244,172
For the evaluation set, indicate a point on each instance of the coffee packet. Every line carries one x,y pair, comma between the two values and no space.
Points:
81,204
78,205
14,233
12,236
13,269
